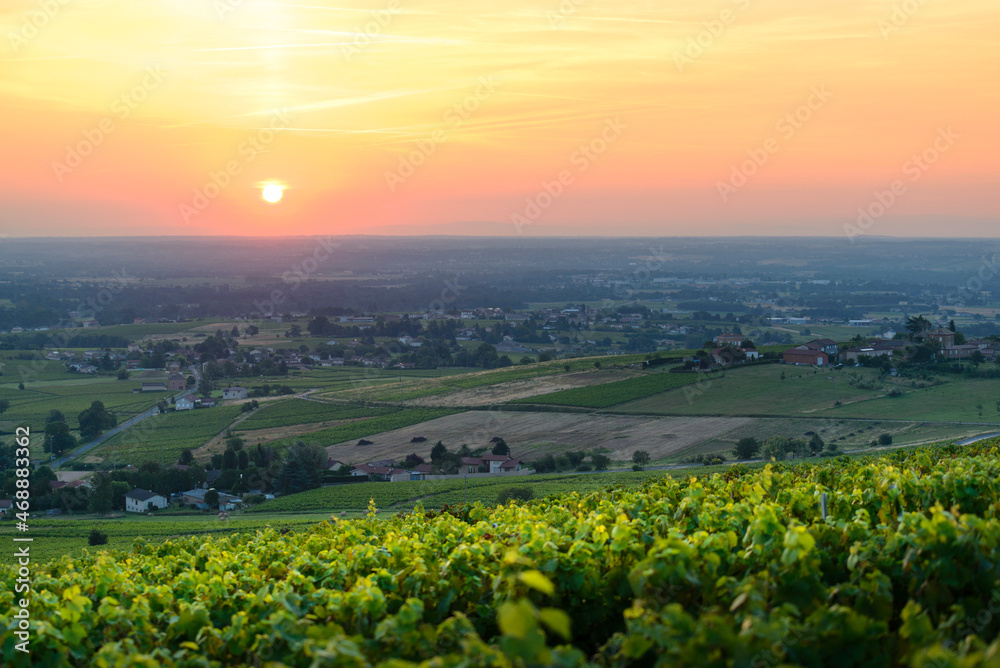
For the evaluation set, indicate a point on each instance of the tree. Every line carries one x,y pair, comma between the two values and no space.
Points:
917,324
100,495
439,452
212,498
302,469
641,459
57,438
55,416
97,537
746,448
4,405
229,459
186,457
885,439
501,448
119,488
601,462
412,460
775,448
123,374
242,460
816,445
205,387
252,330
94,421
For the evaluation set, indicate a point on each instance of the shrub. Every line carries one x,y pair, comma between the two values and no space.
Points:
515,494
885,439
97,537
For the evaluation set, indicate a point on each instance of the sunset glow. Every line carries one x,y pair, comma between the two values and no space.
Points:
534,118
272,192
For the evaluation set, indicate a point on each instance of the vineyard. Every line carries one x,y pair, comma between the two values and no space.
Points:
739,568
393,419
167,435
435,493
301,411
616,392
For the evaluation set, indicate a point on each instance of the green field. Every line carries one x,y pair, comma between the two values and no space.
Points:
32,405
395,496
805,391
165,436
28,371
55,537
757,390
619,391
340,434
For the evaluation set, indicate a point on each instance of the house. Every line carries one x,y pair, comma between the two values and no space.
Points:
829,346
853,354
860,322
944,337
195,497
803,355
751,353
234,392
6,506
229,502
176,382
154,387
960,352
207,402
333,464
186,403
397,475
131,365
494,462
470,464
142,500
511,465
373,472
729,339
420,471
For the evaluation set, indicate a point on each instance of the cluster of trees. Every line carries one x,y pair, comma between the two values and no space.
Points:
95,420
573,460
778,448
58,438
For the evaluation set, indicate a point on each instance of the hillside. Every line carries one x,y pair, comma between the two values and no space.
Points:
739,568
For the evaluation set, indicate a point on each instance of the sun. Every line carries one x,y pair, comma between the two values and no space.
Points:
272,192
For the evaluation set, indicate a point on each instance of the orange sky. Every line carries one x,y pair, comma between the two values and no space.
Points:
604,117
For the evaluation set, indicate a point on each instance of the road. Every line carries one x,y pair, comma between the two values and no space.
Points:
87,447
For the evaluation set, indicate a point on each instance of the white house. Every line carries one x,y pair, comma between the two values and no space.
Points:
187,402
142,500
234,392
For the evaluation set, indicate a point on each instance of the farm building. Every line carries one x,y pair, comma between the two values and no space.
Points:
142,500
803,355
